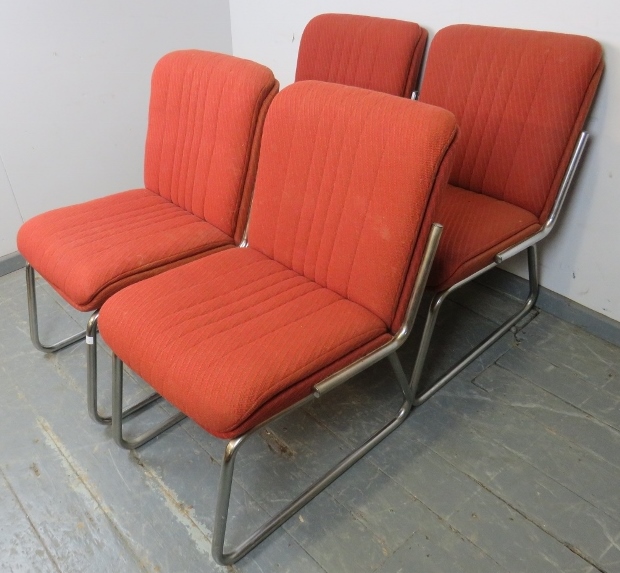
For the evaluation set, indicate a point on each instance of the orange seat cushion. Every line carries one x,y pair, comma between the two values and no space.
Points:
380,54
477,228
87,252
235,337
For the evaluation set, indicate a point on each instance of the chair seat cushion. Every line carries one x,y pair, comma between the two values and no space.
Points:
235,337
476,228
89,251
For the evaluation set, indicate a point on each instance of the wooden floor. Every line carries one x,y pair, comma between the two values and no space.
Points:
514,466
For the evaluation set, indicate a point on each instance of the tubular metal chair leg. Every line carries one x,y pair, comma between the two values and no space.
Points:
431,319
33,318
118,414
91,376
226,475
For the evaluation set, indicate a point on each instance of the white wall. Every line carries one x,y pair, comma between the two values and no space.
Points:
74,94
581,259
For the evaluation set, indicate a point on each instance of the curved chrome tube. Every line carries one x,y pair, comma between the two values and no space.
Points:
557,206
33,318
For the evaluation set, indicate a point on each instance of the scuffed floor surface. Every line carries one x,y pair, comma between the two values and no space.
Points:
514,466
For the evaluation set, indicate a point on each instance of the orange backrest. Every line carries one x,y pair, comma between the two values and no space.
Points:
521,98
374,53
344,185
205,119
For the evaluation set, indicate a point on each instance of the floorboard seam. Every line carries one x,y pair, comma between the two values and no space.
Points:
32,525
411,493
461,535
81,476
566,438
567,544
586,414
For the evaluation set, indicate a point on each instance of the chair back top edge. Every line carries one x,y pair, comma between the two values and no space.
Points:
381,54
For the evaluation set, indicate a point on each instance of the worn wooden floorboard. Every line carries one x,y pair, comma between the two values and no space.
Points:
498,464
477,480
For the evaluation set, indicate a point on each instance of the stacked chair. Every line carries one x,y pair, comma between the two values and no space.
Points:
375,53
205,120
350,194
339,248
521,98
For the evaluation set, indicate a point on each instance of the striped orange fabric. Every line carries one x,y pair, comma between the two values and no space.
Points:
220,349
343,190
89,251
205,121
201,148
475,228
341,200
521,98
374,53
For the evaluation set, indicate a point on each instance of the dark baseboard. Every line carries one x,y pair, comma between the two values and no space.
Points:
10,263
574,313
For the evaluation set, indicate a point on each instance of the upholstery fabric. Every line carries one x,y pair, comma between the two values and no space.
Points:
220,349
343,194
342,200
91,250
367,52
520,98
204,112
205,121
476,228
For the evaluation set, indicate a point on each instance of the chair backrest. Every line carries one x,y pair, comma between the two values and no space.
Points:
521,98
344,188
205,120
374,53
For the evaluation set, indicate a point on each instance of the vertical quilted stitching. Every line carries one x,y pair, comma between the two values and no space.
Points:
374,53
517,95
351,200
184,129
202,122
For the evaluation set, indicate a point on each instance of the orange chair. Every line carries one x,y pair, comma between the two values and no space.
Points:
374,53
205,120
521,99
339,248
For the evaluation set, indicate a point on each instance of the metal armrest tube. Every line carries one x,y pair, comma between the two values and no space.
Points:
553,216
356,367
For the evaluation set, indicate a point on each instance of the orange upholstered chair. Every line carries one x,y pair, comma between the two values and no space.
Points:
205,120
337,257
374,53
521,99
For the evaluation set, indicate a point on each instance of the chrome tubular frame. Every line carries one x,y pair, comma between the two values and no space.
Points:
90,335
533,271
33,318
91,378
233,446
118,414
388,350
225,485
431,319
